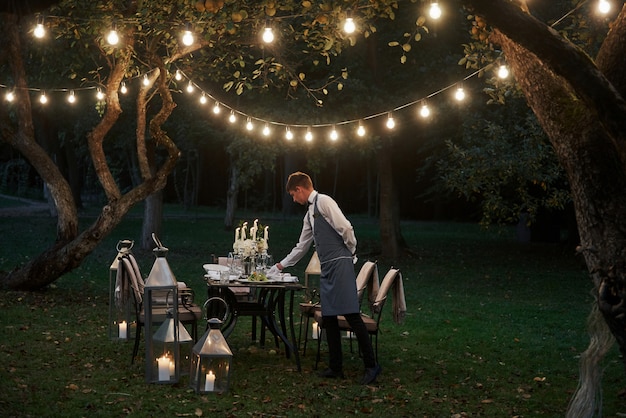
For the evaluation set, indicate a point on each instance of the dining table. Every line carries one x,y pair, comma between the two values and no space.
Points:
272,301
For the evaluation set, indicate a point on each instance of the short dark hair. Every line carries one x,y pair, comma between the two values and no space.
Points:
299,179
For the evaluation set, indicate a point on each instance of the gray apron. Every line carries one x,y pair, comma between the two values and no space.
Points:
338,295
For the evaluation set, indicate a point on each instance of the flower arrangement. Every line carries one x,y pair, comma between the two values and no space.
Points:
250,243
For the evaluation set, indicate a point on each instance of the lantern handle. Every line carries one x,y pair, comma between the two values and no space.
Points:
125,245
156,240
215,299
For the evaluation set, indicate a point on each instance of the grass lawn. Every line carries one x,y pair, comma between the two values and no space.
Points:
494,329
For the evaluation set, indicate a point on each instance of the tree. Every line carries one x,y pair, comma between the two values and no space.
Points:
226,51
579,103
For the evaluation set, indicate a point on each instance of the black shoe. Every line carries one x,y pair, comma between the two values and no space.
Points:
370,374
332,374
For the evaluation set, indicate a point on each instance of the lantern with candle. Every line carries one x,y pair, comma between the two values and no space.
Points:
211,359
164,332
121,310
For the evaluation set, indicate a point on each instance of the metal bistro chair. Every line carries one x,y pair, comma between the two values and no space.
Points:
372,321
367,279
188,312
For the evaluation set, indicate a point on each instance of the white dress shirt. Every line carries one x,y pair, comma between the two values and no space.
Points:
329,209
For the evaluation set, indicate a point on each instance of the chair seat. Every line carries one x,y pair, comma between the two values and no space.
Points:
370,323
309,308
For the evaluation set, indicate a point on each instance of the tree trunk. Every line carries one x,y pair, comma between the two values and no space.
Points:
231,198
70,247
583,115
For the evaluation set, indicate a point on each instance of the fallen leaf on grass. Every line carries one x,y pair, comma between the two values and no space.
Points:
487,401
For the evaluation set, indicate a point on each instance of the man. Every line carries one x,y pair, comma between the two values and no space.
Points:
325,225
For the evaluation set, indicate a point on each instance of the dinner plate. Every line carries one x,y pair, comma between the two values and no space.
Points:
215,267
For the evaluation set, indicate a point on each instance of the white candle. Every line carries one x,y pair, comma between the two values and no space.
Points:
164,368
243,230
256,226
315,333
253,233
172,368
123,328
237,234
265,233
209,382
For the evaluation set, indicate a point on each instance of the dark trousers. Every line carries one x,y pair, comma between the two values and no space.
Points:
333,336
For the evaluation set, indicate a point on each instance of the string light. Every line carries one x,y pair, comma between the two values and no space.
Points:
266,130
268,35
424,110
216,108
333,134
360,130
459,94
188,38
435,10
42,98
203,99
503,72
390,122
113,38
40,30
349,26
71,98
604,6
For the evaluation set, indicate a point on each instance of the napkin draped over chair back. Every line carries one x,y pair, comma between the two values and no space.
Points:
128,279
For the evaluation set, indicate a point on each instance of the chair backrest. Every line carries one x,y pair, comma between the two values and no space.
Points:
129,282
385,287
367,279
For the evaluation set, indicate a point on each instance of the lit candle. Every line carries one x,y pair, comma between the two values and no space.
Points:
209,382
123,328
243,230
172,368
237,234
253,233
256,226
164,368
265,233
315,333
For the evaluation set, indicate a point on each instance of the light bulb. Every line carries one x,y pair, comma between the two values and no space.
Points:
361,130
188,38
113,38
268,35
178,75
216,108
266,130
390,122
309,135
40,31
43,99
146,80
604,6
349,26
99,95
288,134
249,125
123,88
232,118
71,97
503,71
333,134
203,99
10,96
424,111
459,94
435,10
189,87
